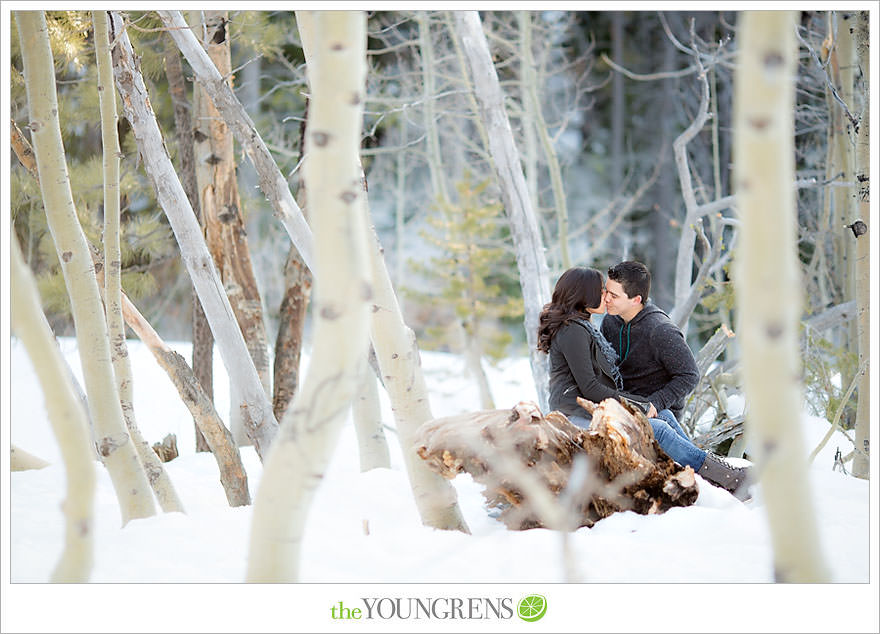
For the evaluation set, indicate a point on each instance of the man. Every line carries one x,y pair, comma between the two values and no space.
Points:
655,361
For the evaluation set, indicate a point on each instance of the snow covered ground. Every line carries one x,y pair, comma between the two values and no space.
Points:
193,564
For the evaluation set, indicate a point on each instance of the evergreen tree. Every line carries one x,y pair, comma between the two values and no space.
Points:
471,281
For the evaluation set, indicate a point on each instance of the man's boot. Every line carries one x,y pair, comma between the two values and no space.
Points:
718,471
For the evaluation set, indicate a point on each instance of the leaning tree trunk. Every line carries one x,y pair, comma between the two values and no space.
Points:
261,425
202,339
156,473
233,476
272,181
117,452
311,426
769,286
862,265
530,258
220,206
68,420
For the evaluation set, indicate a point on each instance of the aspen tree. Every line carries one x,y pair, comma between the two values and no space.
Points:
68,420
372,445
861,270
114,446
261,424
156,473
202,339
311,425
394,342
533,107
769,286
530,257
399,363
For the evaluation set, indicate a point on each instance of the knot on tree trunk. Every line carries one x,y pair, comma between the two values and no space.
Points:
521,454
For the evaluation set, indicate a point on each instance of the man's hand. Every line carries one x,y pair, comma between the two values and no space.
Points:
652,411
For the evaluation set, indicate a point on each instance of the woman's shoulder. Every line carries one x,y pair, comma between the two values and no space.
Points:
573,329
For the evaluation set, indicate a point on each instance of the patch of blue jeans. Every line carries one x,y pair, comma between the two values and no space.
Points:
672,439
580,421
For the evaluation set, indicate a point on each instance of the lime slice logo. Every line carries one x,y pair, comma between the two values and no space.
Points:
532,607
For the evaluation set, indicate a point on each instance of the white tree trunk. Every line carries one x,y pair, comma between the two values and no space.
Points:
684,261
862,265
769,286
530,257
533,106
68,420
272,181
435,161
156,474
401,369
400,366
118,454
367,415
260,420
311,425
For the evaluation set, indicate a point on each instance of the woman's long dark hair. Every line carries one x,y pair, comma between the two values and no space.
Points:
576,290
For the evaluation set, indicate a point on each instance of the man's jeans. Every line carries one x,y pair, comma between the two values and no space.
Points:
672,439
670,436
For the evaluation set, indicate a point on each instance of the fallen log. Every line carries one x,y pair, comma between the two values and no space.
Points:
526,460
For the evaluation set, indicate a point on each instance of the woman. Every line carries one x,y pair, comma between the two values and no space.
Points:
583,363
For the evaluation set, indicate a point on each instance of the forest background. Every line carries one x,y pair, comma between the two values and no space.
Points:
623,122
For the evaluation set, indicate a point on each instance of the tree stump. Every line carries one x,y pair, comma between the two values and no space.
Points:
520,455
167,449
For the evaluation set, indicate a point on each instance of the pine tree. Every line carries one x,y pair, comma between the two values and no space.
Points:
470,283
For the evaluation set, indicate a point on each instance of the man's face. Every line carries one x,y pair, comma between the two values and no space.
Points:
617,302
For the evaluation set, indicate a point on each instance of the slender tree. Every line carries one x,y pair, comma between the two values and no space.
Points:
113,441
311,425
372,445
68,420
769,297
530,257
202,339
862,264
260,423
112,269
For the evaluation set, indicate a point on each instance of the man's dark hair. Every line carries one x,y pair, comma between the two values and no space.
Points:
634,277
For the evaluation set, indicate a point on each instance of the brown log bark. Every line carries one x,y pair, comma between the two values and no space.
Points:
167,449
292,319
626,469
23,150
221,205
203,340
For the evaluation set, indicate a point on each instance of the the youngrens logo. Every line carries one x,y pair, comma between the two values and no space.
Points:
530,608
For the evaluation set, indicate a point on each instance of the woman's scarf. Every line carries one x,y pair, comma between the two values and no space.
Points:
607,350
